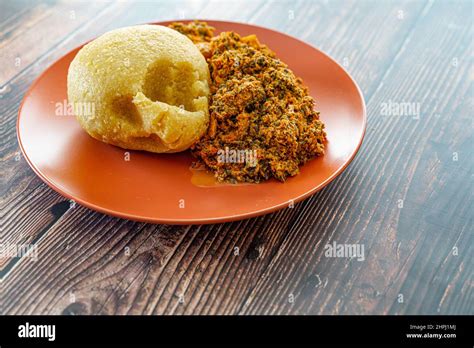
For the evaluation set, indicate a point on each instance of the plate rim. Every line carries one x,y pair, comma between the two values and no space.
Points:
194,221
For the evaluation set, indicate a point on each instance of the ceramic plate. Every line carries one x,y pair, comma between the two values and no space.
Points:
161,188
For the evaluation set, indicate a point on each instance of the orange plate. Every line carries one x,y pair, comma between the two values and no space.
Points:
158,188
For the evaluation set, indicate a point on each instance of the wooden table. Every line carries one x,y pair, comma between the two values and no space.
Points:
407,198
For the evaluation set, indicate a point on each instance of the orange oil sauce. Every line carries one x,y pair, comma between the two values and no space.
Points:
202,177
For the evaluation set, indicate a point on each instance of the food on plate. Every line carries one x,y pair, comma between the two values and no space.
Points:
243,113
262,119
149,87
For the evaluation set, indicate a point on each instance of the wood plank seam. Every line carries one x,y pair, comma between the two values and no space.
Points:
58,210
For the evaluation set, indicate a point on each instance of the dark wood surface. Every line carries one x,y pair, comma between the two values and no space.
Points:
407,197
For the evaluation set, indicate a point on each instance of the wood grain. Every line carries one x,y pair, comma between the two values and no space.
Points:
403,244
89,263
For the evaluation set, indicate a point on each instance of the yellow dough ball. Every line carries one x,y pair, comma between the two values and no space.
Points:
148,85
